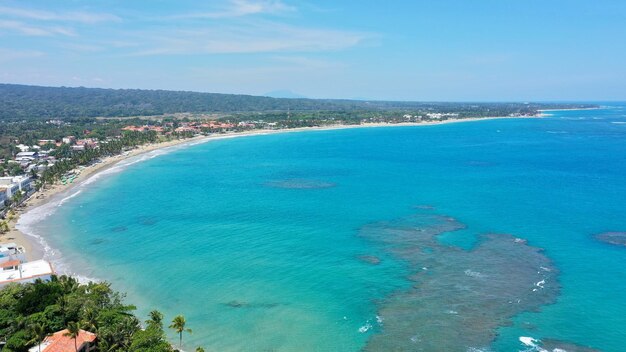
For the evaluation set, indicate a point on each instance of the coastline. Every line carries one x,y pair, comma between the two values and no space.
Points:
35,249
573,109
44,196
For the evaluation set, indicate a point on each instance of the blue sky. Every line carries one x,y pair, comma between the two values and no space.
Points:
445,50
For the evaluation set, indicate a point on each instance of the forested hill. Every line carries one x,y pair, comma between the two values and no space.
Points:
18,102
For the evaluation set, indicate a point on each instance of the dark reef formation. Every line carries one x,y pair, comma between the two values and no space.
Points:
457,298
614,238
370,259
300,184
557,345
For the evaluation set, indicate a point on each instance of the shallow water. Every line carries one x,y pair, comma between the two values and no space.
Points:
274,242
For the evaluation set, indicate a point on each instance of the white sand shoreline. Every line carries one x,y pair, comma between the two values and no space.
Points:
54,194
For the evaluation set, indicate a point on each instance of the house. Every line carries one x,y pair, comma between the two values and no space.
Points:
60,342
68,139
26,272
26,156
87,143
43,142
23,148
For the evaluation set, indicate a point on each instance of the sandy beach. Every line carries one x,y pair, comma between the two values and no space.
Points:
43,196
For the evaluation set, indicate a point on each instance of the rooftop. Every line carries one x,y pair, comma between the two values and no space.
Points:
58,342
29,270
9,263
8,246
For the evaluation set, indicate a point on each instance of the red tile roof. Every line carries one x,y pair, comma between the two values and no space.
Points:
58,342
10,263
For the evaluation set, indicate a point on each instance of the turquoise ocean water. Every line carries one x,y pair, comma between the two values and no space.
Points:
297,241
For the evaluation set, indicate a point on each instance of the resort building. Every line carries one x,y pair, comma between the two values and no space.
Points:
23,182
10,187
14,271
12,184
60,342
3,197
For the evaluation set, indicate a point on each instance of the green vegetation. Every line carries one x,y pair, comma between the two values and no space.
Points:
69,160
73,330
31,312
180,325
19,102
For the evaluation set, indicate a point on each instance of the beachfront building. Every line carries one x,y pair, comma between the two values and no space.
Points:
12,184
10,187
11,252
25,272
3,197
23,182
60,342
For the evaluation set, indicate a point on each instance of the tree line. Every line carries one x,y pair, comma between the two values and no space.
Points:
31,312
34,102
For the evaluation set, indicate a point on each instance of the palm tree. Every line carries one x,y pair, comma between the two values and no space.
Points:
156,318
198,349
4,226
39,334
178,324
90,320
73,330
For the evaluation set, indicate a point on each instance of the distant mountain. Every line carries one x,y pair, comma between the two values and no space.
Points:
22,101
284,94
19,102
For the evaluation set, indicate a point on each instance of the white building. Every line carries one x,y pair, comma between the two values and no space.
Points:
14,271
12,184
3,196
26,156
10,187
69,139
24,182
22,147
11,251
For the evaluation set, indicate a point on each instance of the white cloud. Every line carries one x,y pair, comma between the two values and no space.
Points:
239,8
307,62
35,31
70,16
259,37
11,55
